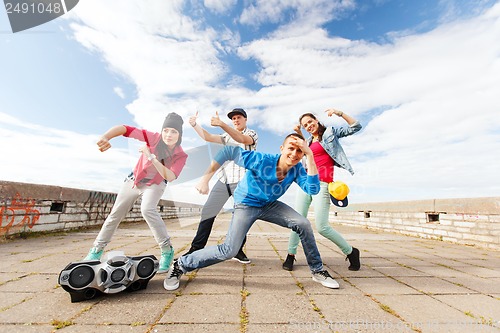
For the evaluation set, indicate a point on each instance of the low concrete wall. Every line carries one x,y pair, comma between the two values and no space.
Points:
474,221
33,208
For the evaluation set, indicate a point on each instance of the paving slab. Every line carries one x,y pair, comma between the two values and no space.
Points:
204,309
405,284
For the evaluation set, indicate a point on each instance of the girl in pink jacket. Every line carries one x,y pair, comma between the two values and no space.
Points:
162,160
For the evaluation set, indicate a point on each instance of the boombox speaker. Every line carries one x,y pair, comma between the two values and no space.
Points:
90,278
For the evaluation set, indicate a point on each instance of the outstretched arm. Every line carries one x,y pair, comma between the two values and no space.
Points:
354,125
350,120
235,134
209,137
113,132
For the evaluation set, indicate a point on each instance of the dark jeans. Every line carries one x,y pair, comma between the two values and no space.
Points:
203,233
216,199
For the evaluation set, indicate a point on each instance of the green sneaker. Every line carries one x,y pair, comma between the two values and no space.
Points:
94,254
166,260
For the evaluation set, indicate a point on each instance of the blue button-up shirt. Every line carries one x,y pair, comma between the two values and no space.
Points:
260,185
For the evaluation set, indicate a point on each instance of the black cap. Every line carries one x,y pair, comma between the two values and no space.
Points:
173,120
235,112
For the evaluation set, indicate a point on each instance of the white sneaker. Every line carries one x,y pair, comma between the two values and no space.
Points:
325,279
173,277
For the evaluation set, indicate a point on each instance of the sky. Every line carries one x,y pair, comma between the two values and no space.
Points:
422,77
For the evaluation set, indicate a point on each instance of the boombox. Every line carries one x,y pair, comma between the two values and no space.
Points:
90,278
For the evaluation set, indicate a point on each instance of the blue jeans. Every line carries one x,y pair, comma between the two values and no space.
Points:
243,218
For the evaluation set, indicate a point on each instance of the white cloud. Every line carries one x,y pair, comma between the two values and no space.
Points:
152,44
306,13
55,157
63,158
438,135
441,130
119,92
219,6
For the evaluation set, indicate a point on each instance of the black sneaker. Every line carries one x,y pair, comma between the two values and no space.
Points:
241,257
354,260
288,264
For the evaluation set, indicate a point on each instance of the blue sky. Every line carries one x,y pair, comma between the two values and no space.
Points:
421,76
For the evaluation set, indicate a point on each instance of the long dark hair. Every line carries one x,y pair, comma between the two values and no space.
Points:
321,127
162,151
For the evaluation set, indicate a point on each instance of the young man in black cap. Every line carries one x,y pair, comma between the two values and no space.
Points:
229,176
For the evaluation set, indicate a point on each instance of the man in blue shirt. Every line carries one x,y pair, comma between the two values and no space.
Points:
267,178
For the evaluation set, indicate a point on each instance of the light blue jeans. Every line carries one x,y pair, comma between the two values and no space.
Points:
321,203
243,218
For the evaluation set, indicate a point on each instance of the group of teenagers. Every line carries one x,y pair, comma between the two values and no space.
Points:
254,179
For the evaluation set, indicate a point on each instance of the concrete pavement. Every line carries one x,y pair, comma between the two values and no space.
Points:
405,284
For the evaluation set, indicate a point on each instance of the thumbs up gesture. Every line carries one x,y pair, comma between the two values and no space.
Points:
215,121
192,119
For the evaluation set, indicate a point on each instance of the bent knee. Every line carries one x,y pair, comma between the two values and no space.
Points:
227,252
148,211
302,226
325,230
